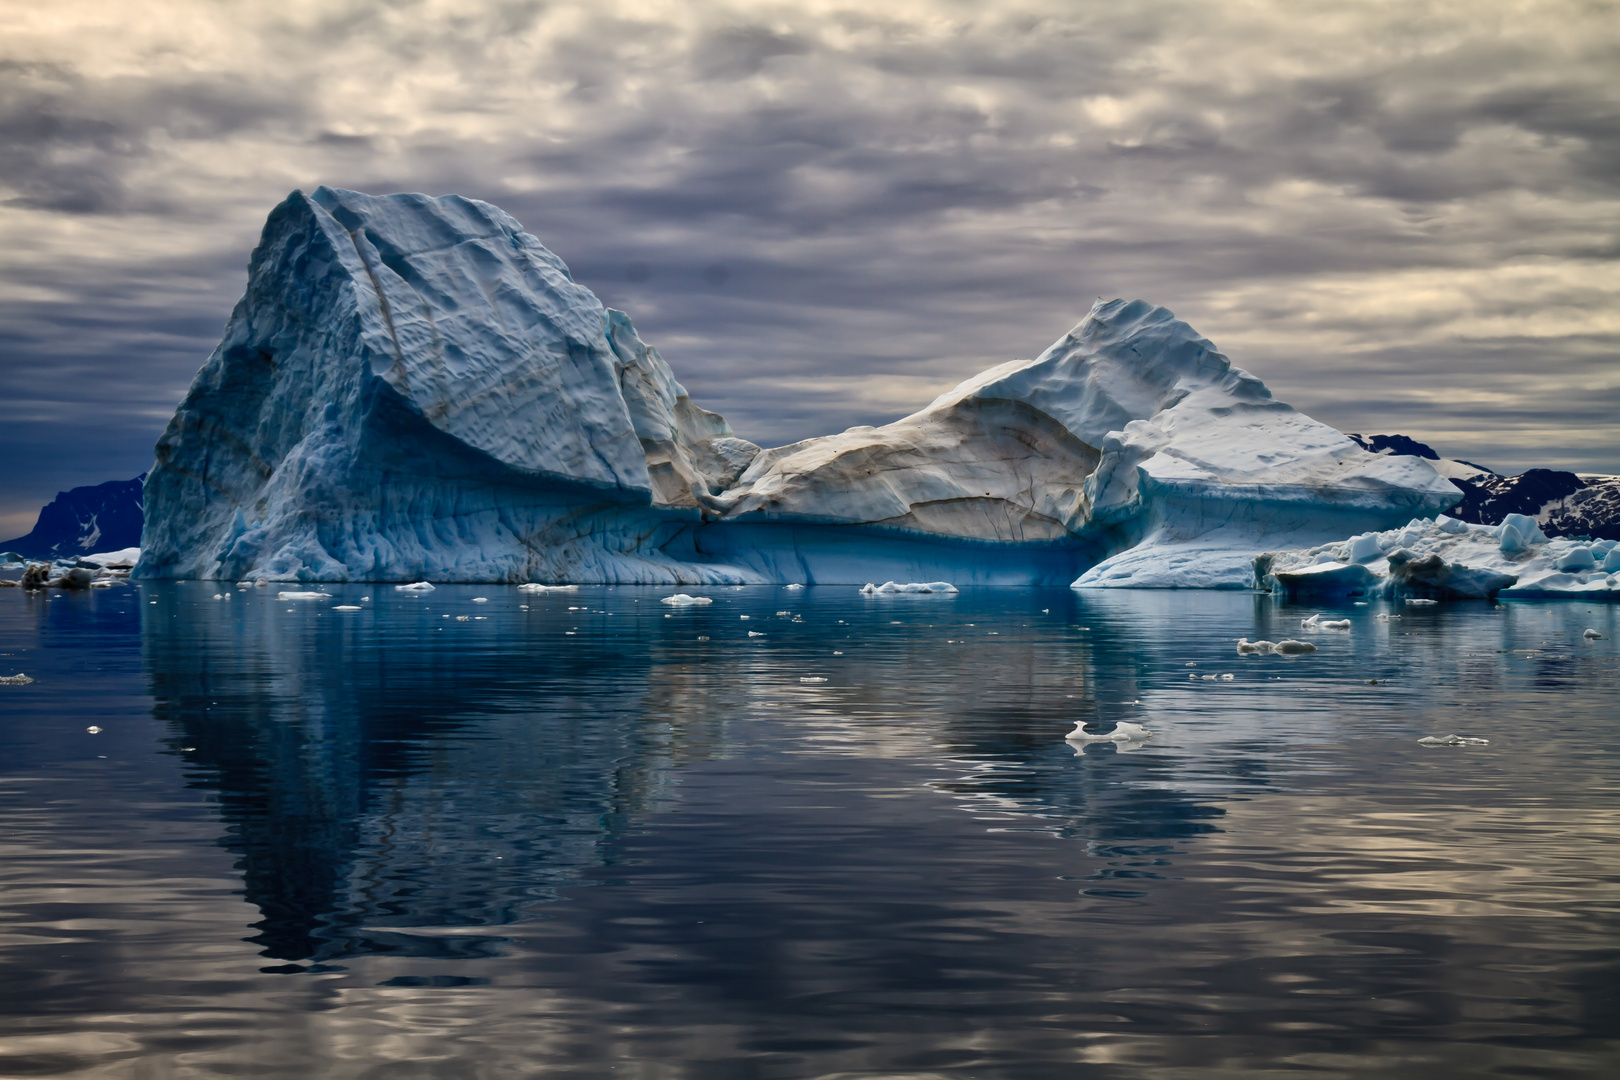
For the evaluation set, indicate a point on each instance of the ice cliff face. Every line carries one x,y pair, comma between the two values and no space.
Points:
415,388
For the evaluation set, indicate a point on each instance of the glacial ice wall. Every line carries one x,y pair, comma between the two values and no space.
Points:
414,388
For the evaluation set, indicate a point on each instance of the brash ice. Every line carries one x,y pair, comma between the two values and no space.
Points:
414,388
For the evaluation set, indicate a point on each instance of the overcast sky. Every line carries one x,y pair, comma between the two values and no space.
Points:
1404,217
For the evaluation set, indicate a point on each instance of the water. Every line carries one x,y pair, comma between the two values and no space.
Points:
579,839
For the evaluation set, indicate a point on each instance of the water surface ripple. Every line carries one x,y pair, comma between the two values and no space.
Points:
802,834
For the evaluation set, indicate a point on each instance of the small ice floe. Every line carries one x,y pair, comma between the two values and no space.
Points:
1417,601
1381,617
1290,647
415,586
1124,732
756,633
93,730
303,596
346,607
1245,647
782,613
811,678
1591,635
536,587
703,637
680,599
1316,622
892,588
463,618
244,584
15,680
480,599
837,653
794,586
1452,740
1226,678
219,596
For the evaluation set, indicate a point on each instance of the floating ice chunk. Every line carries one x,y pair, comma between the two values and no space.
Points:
347,607
1381,617
794,586
1123,732
303,596
15,680
463,618
1245,647
480,600
93,730
1452,740
1290,647
1418,601
1591,635
680,599
1316,622
219,596
811,678
245,584
536,587
892,588
1226,678
415,586
756,633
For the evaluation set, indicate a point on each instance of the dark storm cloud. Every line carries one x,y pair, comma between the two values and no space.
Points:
1405,216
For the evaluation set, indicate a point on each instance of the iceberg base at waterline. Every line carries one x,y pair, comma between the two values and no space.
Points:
415,389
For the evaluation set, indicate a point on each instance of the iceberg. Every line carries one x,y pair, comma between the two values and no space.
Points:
414,388
1447,559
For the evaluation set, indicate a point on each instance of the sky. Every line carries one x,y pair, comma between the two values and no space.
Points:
1403,217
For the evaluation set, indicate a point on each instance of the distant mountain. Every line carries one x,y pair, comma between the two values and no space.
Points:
103,517
1564,503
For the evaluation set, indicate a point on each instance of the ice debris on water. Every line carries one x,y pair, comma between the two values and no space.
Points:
1419,601
1316,622
1452,740
756,633
681,599
303,596
415,586
1591,635
1286,647
1124,732
892,588
793,586
93,730
480,600
811,678
347,607
536,587
15,680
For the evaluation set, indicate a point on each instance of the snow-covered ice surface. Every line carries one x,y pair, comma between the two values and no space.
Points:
1445,558
414,388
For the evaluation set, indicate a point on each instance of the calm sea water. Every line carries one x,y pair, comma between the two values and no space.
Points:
601,837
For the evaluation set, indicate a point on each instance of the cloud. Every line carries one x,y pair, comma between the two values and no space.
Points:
1395,214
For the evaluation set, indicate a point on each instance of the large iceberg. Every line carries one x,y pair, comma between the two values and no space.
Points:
413,388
